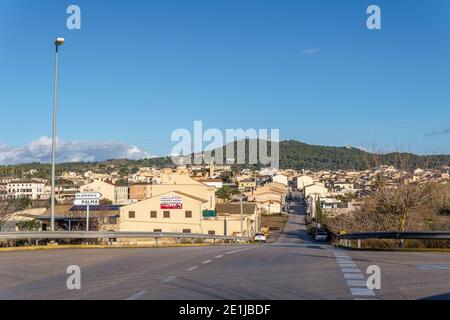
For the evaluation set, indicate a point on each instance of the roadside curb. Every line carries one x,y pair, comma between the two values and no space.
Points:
92,247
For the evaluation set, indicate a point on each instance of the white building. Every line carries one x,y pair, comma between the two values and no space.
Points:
3,191
216,183
315,189
303,181
280,178
25,189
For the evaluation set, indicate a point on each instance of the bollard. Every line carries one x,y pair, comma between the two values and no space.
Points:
359,243
156,241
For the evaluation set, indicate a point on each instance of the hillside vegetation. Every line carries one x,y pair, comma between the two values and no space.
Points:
293,155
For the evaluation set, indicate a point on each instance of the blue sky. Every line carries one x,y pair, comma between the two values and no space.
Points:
137,70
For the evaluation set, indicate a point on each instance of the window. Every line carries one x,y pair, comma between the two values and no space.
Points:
131,214
153,214
186,230
157,230
211,232
166,214
188,214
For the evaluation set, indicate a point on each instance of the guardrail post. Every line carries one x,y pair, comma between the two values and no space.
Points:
359,243
193,240
156,241
178,240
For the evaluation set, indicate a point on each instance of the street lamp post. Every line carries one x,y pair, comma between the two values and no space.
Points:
58,42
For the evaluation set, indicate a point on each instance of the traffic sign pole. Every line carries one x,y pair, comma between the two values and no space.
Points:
87,218
87,199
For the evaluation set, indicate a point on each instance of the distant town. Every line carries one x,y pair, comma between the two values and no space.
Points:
202,199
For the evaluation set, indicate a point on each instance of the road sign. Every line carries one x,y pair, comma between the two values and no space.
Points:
86,202
88,195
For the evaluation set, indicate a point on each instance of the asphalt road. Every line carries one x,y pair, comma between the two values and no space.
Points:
293,267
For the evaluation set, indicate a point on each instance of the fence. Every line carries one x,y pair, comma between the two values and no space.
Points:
436,235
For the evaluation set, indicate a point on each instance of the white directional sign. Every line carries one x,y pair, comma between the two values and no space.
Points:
88,195
86,202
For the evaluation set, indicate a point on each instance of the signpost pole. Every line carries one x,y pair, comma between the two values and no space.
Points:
87,218
87,199
242,215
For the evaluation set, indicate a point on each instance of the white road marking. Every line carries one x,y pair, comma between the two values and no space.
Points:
207,261
362,292
167,280
219,256
342,256
357,283
350,270
137,295
235,251
191,268
353,276
348,265
344,259
433,267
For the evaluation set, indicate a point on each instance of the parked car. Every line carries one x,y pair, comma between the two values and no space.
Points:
321,235
260,237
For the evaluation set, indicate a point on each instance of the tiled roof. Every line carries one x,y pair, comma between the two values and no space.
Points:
235,208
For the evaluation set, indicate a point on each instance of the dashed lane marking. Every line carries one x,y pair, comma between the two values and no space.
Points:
219,256
235,251
207,261
169,279
191,268
137,295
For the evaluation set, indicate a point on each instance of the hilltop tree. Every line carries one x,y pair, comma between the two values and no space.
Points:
224,193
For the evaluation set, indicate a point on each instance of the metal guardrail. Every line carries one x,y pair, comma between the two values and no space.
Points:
44,235
436,235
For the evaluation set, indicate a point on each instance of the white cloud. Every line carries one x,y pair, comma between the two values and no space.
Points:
69,151
311,51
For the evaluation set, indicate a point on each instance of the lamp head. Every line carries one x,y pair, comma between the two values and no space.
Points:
59,41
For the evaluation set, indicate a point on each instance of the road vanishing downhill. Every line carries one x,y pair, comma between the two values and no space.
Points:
292,267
